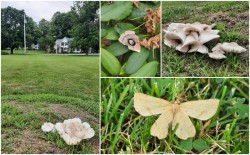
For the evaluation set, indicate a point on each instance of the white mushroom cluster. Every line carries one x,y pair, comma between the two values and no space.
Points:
71,130
188,38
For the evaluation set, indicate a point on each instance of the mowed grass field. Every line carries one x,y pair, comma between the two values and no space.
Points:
125,131
231,18
39,88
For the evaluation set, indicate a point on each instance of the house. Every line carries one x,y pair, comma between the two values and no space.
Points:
35,46
62,46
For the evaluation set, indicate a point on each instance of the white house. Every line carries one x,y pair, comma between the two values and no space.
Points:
62,46
35,46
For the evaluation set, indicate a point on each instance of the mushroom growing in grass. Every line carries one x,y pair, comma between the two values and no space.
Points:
73,130
188,38
220,49
48,127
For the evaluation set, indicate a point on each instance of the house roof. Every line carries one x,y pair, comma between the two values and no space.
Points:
58,41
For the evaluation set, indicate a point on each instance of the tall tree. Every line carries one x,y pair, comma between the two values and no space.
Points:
86,28
43,26
12,28
61,23
12,24
46,43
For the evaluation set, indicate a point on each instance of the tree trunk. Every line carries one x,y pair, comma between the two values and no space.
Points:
12,50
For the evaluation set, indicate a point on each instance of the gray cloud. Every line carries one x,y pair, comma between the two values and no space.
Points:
39,9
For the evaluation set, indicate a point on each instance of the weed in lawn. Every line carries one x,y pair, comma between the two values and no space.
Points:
231,19
125,131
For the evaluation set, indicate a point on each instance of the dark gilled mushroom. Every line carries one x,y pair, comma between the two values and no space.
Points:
130,39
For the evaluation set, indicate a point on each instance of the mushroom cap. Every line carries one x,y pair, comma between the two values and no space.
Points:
232,47
202,49
192,28
90,131
183,49
173,39
48,127
204,26
217,55
206,36
190,40
195,34
130,35
199,48
73,130
175,27
217,48
59,128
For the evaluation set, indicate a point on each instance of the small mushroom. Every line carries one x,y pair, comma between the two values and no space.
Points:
217,48
48,127
130,39
217,55
232,47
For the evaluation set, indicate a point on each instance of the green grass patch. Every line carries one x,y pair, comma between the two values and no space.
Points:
231,18
22,52
125,131
39,88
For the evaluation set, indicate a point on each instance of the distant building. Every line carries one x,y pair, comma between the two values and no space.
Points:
35,47
62,46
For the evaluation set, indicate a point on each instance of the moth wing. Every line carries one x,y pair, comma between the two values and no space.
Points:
185,128
201,109
161,125
148,105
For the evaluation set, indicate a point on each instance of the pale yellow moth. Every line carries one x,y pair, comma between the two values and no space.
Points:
174,113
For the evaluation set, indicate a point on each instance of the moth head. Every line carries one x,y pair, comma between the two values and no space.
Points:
130,39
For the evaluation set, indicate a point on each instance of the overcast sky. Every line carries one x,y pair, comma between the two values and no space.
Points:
39,9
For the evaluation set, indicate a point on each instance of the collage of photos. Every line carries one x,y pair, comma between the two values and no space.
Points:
124,77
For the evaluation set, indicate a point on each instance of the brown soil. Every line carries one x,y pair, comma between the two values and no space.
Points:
61,110
28,141
22,107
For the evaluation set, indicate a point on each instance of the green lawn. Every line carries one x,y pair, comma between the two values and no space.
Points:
126,131
47,88
22,52
232,19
